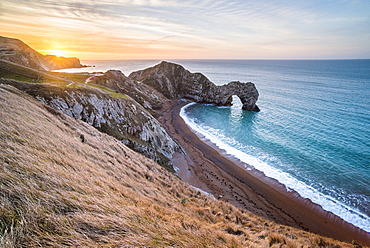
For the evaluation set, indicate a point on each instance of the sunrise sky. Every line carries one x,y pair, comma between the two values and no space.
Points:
189,29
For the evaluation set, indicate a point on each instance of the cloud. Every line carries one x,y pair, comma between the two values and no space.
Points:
213,25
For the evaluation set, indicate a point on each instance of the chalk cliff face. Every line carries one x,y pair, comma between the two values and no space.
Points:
154,86
174,81
121,117
18,52
145,95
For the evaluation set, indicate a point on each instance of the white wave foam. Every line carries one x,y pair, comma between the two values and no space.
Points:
329,203
204,192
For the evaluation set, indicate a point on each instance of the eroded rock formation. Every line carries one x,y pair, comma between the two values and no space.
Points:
142,93
174,81
247,93
154,86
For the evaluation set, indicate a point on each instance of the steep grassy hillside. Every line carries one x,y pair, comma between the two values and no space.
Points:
64,184
18,72
110,112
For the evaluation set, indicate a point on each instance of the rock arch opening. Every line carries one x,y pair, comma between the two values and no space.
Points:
236,102
246,92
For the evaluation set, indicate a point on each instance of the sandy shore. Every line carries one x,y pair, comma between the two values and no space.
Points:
207,168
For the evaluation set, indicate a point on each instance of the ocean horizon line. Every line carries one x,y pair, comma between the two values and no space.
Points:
232,59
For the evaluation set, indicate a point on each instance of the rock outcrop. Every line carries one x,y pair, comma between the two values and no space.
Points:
247,92
174,81
121,117
18,52
145,95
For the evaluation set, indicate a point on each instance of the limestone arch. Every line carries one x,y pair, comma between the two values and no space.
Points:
235,99
246,92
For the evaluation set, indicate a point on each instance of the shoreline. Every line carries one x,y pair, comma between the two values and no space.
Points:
206,167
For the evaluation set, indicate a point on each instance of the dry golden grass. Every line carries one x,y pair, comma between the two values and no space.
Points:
63,183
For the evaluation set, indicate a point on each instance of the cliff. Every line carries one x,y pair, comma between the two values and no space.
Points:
18,52
174,81
110,112
148,97
155,86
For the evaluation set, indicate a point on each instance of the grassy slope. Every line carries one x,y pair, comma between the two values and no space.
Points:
63,183
13,71
18,72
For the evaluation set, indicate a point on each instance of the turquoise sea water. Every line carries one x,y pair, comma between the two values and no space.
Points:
313,131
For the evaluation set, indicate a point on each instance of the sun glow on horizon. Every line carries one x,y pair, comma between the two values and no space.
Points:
58,53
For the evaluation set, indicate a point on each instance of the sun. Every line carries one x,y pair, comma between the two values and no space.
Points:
58,53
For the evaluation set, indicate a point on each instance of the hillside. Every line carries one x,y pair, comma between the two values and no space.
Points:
18,52
63,183
110,111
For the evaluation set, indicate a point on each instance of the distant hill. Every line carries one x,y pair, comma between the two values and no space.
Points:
18,52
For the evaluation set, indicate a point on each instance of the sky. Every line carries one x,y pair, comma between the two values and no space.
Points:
189,29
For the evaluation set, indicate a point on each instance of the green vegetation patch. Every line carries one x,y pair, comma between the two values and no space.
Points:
75,77
18,72
111,92
21,73
15,76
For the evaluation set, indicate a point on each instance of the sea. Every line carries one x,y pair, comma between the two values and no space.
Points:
312,133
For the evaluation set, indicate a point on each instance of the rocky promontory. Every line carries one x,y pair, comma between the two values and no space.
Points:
174,81
154,86
16,51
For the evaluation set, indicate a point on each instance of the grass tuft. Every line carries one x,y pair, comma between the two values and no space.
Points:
276,239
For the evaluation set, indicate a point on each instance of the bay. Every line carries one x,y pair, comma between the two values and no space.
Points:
313,131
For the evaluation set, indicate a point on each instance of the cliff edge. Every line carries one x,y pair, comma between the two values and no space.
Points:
18,52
